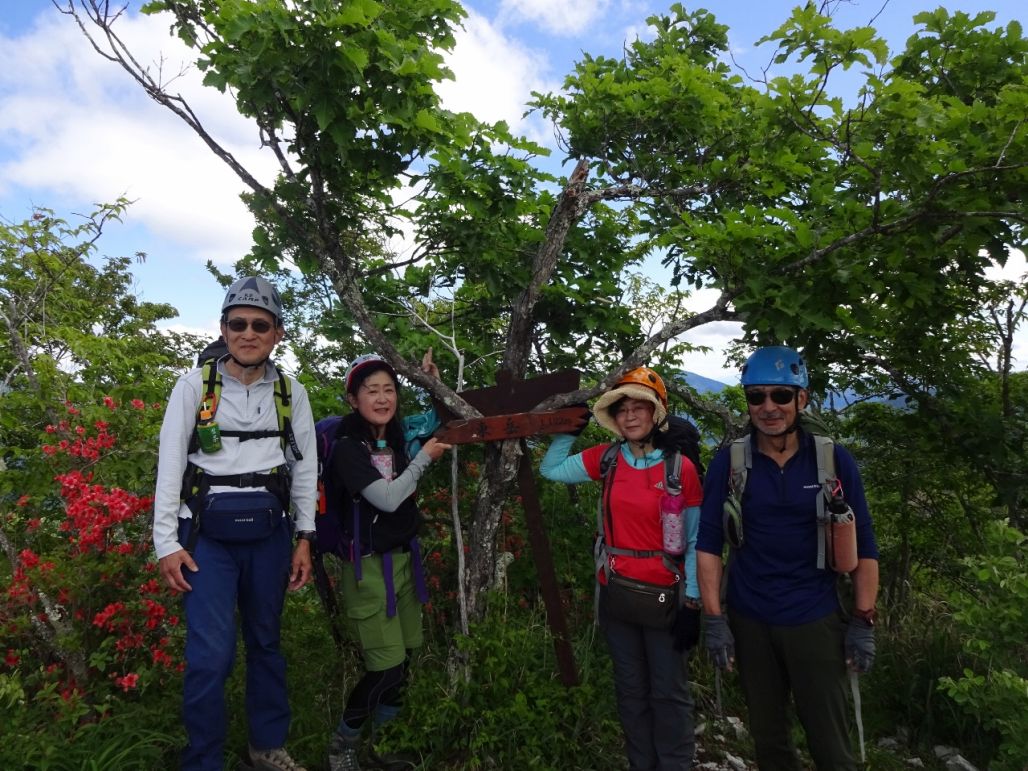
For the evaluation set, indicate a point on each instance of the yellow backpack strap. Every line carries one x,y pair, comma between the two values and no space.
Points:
284,409
211,397
194,482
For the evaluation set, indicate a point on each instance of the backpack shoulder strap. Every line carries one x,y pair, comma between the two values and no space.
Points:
741,461
284,409
607,463
609,458
210,398
673,473
741,454
211,377
824,448
602,548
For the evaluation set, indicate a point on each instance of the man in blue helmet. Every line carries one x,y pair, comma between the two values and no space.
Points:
780,621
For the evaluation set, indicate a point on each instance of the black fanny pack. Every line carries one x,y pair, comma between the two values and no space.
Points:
239,517
637,602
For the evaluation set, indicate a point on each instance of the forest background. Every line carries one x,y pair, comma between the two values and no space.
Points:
864,232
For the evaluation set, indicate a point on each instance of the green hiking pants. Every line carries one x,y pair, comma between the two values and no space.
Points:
808,663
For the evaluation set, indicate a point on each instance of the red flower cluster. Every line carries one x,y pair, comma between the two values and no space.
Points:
88,447
112,604
94,510
19,591
128,682
108,617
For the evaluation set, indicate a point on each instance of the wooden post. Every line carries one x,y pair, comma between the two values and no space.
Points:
537,537
511,396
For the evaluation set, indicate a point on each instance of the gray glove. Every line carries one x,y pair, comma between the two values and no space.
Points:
719,641
860,645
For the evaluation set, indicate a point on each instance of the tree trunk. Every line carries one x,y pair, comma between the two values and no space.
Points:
499,472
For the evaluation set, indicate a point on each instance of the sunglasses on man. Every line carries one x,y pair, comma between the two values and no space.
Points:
260,326
758,396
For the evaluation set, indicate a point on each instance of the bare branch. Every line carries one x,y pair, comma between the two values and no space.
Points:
55,626
1010,139
569,209
636,192
98,14
718,312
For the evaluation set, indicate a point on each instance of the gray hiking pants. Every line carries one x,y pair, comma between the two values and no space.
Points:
655,705
808,662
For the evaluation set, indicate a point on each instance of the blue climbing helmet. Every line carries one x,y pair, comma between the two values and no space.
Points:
775,365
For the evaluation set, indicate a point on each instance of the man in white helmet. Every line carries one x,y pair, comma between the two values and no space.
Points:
222,526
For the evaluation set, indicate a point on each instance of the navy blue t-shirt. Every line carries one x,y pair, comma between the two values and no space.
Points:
774,577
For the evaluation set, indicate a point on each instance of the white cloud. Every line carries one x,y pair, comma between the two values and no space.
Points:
559,17
717,336
78,129
494,75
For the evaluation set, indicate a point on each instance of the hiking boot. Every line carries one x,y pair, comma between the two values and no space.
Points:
342,754
273,760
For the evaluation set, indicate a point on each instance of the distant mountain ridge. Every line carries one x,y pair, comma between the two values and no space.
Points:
835,401
701,383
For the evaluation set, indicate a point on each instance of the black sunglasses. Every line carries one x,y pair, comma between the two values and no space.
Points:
260,326
778,396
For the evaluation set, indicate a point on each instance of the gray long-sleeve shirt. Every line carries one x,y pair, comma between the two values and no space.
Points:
241,408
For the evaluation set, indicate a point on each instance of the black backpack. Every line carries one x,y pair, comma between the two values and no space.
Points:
214,351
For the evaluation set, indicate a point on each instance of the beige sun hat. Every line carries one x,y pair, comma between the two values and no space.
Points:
641,383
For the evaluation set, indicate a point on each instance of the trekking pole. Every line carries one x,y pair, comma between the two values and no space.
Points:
328,598
717,692
855,688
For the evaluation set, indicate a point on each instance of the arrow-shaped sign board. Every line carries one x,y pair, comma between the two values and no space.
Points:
496,428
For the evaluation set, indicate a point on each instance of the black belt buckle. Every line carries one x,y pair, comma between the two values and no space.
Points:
248,479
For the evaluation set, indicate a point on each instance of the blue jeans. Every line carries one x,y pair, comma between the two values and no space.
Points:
655,705
253,577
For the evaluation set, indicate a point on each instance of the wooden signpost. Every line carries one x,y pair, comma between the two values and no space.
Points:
506,415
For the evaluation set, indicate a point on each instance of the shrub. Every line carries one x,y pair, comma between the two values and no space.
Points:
993,625
85,627
512,711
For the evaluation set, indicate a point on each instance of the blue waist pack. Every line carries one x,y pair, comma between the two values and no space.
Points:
240,517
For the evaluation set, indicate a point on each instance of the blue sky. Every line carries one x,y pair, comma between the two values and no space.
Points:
74,130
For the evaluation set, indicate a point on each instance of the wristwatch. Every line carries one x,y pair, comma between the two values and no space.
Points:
306,535
867,616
